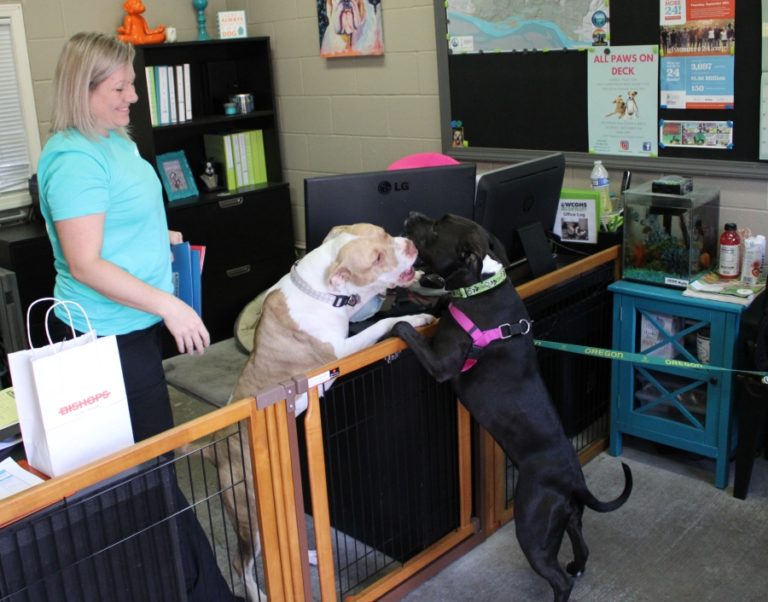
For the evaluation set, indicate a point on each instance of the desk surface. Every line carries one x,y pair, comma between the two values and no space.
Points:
661,293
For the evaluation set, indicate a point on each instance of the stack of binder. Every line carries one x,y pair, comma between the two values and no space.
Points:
187,269
241,155
169,93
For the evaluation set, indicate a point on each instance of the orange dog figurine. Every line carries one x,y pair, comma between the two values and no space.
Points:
134,28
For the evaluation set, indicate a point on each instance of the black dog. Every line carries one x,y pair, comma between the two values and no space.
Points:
504,391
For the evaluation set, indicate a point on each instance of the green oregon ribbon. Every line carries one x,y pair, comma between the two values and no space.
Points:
640,358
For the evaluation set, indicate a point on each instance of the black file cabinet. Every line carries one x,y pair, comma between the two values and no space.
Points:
249,246
26,251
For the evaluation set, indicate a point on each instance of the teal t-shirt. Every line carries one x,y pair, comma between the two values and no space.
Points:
79,177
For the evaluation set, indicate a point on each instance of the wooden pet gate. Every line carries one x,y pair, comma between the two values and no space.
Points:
385,475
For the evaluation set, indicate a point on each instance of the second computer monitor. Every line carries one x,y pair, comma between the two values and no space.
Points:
518,204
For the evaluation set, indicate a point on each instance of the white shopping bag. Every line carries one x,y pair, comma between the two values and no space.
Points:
71,399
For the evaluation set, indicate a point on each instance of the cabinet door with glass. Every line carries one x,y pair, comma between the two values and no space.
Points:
659,397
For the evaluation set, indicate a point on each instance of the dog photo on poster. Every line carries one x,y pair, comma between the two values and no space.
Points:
350,28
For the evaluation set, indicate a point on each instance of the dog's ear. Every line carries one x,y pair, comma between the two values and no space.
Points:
469,255
334,232
338,276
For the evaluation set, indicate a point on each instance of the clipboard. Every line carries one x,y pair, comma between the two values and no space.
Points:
9,418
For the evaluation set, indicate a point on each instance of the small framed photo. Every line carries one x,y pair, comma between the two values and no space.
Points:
177,178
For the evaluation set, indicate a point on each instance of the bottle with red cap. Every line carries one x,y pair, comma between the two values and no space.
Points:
730,241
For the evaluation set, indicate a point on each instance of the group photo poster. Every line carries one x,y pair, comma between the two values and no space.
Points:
697,48
622,84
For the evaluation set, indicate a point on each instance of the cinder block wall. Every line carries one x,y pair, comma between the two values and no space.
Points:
336,115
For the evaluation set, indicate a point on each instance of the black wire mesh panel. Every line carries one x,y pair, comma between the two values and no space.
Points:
157,533
115,543
391,444
578,312
210,491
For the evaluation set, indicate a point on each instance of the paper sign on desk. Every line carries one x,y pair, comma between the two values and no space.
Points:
13,478
577,216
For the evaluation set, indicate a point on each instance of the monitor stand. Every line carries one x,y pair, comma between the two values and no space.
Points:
537,249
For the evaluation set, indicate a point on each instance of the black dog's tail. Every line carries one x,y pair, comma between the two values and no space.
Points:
592,502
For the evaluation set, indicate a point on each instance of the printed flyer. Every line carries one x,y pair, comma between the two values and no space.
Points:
623,84
697,48
696,134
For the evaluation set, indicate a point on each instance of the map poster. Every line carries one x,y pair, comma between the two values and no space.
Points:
476,26
697,48
623,84
696,134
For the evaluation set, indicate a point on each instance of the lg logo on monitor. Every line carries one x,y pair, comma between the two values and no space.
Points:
386,187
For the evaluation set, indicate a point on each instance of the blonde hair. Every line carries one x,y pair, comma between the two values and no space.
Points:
86,60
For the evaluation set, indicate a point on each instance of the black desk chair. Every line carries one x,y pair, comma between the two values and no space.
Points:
752,410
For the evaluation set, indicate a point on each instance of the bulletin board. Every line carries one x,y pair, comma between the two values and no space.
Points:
514,105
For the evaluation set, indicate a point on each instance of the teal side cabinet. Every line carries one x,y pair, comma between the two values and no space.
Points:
685,408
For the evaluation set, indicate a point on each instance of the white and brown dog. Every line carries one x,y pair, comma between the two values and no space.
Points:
304,324
632,110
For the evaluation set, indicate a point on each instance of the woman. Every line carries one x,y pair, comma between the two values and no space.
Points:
104,210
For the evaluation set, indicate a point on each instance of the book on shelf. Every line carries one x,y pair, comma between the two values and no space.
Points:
172,95
180,95
219,148
245,172
161,83
231,24
149,73
258,158
238,157
712,286
187,91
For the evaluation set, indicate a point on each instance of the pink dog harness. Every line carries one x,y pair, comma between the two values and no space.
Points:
483,338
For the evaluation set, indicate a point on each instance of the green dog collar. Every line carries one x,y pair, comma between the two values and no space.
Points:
480,287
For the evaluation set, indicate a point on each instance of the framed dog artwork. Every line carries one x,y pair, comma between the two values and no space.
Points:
176,175
350,28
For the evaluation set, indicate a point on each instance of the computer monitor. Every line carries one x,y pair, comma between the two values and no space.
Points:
518,204
385,198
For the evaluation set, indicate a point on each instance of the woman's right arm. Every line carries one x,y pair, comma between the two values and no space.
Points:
81,240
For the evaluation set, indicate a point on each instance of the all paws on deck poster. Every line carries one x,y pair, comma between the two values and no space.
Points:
623,84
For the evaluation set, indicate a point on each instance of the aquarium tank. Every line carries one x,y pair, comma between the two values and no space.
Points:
670,239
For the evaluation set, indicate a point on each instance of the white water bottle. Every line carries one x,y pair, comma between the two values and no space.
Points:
601,185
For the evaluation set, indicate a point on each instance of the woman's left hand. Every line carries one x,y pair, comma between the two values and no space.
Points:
175,237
